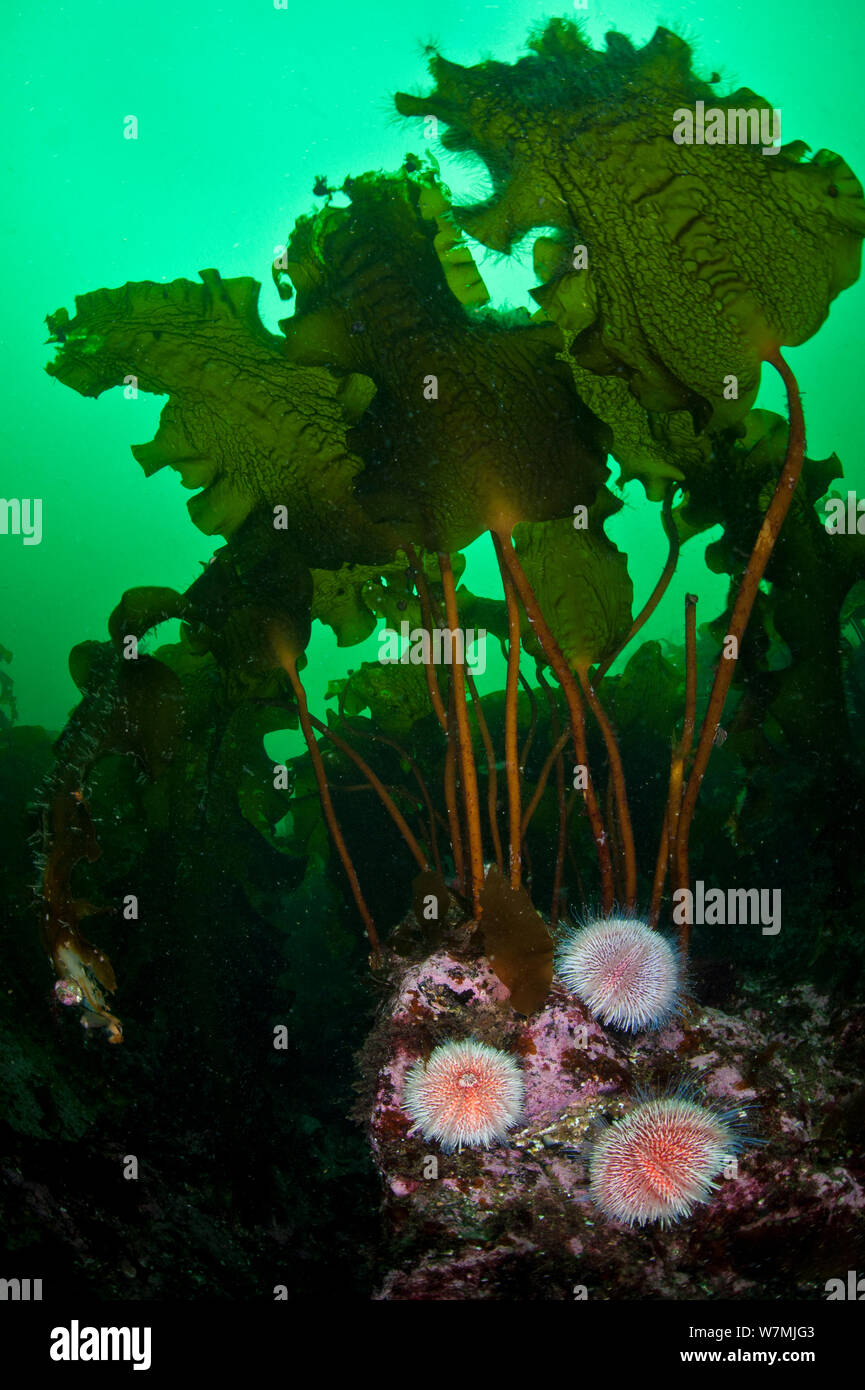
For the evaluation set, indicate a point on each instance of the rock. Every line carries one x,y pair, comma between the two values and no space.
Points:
517,1220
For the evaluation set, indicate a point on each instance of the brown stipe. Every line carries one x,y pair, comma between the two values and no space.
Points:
660,588
406,757
378,786
492,775
512,765
556,754
451,796
288,661
748,589
554,655
468,771
678,759
617,775
427,613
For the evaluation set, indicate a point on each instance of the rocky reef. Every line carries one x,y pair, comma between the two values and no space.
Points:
436,835
517,1219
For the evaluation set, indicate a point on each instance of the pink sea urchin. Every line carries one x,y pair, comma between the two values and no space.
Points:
467,1095
626,974
659,1161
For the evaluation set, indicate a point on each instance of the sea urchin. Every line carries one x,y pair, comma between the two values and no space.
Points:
626,974
467,1095
659,1161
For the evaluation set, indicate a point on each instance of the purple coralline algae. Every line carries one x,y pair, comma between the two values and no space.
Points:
483,1224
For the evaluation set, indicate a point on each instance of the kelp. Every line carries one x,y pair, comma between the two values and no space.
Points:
701,258
7,693
396,418
474,425
395,695
793,661
516,943
338,600
582,583
129,707
241,424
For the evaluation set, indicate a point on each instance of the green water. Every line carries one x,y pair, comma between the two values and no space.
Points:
240,106
255,1037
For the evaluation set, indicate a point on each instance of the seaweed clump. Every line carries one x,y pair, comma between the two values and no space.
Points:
348,460
396,419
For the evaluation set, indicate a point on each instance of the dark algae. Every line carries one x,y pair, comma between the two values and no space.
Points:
491,989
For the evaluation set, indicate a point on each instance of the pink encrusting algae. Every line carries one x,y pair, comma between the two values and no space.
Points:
476,1221
625,973
468,1095
659,1161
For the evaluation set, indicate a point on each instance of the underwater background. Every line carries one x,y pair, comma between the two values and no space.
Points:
237,117
255,1168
